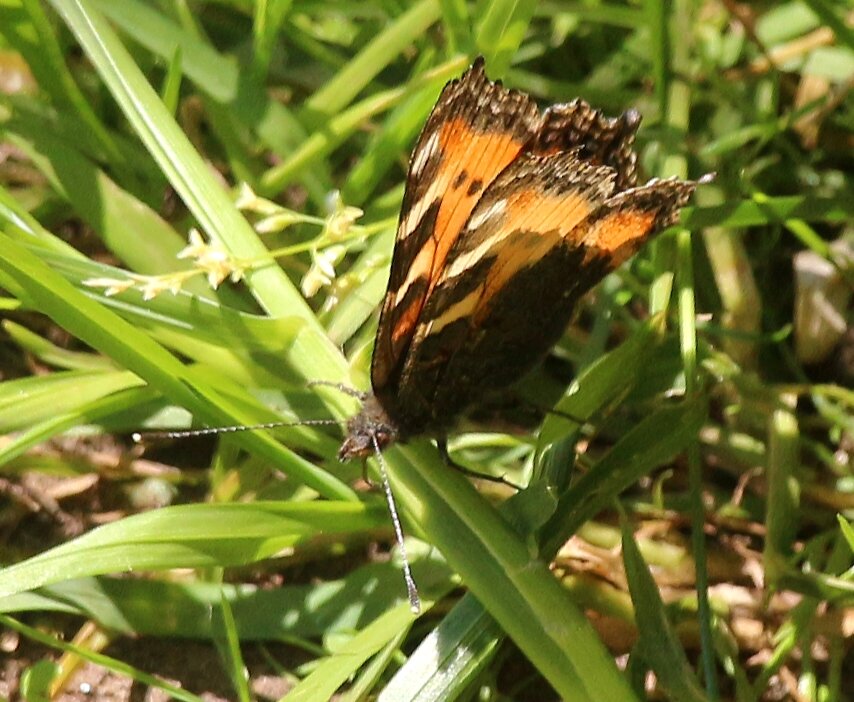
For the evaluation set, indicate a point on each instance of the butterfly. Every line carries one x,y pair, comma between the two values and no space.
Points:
509,216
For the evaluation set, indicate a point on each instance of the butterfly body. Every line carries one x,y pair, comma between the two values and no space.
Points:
509,217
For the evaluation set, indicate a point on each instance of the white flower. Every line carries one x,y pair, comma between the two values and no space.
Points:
246,197
213,260
277,222
196,247
112,286
217,266
312,282
322,271
248,201
154,285
339,222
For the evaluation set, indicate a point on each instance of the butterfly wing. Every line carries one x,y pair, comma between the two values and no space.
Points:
508,218
475,130
600,140
544,232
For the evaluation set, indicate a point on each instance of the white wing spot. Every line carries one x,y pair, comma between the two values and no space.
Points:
413,218
494,210
458,310
470,258
425,153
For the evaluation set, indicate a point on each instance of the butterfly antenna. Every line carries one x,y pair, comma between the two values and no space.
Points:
183,434
341,387
411,589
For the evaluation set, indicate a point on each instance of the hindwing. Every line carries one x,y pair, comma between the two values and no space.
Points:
545,231
600,140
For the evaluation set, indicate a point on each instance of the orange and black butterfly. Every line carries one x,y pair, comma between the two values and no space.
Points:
509,216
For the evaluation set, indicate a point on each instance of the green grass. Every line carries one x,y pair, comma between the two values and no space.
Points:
713,437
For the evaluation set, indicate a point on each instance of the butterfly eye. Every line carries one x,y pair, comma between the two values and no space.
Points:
384,437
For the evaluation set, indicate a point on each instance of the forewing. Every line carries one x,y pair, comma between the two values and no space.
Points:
475,130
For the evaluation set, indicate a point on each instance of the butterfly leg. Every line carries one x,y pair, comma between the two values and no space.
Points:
442,445
367,478
563,415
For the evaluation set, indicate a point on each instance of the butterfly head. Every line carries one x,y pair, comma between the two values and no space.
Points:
369,430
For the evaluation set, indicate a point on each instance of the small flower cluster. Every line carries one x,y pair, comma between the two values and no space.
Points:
213,260
327,252
149,285
322,271
216,264
210,260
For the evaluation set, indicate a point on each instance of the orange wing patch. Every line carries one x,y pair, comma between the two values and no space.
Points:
469,160
618,235
626,221
538,203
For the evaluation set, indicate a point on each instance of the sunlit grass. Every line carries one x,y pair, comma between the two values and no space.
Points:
724,408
